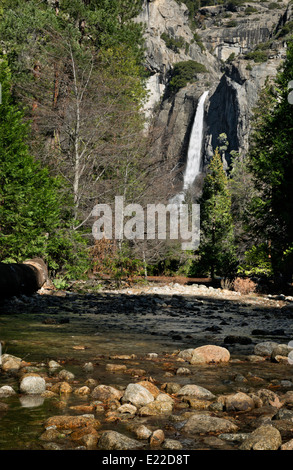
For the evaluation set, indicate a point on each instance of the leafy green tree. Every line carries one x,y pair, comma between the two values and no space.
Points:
32,222
217,250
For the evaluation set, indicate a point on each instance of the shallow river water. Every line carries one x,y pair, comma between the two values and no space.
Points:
75,329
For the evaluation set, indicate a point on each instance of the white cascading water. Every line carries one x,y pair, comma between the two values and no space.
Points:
195,144
194,150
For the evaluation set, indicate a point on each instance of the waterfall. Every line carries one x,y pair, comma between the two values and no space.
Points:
195,144
194,150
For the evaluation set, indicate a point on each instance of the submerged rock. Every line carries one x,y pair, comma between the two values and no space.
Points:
71,422
156,408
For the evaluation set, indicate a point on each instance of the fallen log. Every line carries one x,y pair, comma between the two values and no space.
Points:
23,278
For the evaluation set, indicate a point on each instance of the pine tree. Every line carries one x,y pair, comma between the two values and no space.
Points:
271,162
217,249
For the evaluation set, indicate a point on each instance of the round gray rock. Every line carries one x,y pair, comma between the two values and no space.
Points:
137,395
265,349
32,385
195,391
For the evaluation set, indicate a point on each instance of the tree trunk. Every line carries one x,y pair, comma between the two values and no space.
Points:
25,278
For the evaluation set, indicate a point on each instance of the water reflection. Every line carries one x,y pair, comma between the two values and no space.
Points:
31,401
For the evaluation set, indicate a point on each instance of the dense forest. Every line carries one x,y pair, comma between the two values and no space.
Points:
72,135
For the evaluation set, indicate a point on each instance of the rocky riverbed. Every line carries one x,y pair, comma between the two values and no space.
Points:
166,367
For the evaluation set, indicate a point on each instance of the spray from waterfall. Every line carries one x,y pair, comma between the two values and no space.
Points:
194,151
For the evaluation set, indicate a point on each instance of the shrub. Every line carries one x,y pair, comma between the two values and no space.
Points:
257,56
232,5
286,29
231,57
185,72
248,10
198,41
173,43
256,262
231,24
274,6
244,285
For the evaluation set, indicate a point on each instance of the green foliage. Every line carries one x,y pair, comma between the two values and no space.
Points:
175,44
198,41
274,6
256,262
231,24
31,214
217,255
232,5
272,166
285,30
185,72
231,57
250,9
257,56
39,203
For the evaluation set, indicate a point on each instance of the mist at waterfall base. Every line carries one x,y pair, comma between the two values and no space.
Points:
194,152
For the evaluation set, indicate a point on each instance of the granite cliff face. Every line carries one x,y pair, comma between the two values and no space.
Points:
240,46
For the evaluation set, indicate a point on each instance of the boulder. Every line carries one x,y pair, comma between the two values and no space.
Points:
10,363
263,438
239,402
199,423
265,349
195,391
137,395
112,440
32,385
210,354
106,392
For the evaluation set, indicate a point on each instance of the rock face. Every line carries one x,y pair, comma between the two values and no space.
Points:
223,37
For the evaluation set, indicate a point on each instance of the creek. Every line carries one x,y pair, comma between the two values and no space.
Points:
143,330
